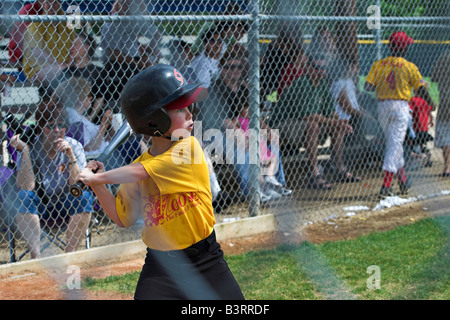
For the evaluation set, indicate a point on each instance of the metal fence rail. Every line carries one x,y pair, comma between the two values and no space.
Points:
264,63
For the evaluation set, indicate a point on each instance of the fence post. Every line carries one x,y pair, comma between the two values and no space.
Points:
254,101
378,36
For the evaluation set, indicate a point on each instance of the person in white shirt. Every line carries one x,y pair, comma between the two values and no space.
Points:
74,94
344,91
206,65
345,94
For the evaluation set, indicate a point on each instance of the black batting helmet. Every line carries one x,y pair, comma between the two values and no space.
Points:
146,97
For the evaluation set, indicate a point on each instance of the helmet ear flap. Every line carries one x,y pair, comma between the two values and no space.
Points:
158,123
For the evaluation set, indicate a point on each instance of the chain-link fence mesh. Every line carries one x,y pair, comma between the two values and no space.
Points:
301,121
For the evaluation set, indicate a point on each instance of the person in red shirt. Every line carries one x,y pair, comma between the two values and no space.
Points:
15,47
421,122
292,71
421,113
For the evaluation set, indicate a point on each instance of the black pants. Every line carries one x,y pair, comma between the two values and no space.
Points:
196,273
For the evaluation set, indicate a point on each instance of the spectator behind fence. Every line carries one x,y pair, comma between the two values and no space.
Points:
441,75
45,172
81,65
422,119
323,43
218,110
393,79
120,43
345,94
306,115
198,46
269,156
47,47
15,46
74,95
181,57
6,83
223,92
292,71
231,31
280,52
206,64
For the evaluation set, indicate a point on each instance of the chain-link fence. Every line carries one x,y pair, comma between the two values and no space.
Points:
301,121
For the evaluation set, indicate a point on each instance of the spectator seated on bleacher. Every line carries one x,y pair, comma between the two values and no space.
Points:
206,64
304,112
74,96
293,70
224,91
218,110
231,31
80,64
345,94
281,52
181,57
323,43
45,171
269,155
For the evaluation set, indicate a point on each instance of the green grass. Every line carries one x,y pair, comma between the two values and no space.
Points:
413,262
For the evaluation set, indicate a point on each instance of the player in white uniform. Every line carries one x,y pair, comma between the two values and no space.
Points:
392,79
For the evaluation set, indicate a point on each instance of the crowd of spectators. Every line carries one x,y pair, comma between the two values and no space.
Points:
312,92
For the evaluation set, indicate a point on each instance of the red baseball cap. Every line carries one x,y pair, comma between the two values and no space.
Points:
186,100
399,40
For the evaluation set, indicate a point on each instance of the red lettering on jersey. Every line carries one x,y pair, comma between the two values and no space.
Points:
390,79
160,209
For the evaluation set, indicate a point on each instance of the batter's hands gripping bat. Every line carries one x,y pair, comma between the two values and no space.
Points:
120,137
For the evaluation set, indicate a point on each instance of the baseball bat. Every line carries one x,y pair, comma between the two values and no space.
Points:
120,137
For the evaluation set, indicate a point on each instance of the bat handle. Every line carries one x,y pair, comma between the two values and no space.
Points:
76,189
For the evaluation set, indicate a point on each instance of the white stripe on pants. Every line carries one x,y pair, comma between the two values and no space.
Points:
393,116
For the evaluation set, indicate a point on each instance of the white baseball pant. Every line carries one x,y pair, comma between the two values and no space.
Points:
394,116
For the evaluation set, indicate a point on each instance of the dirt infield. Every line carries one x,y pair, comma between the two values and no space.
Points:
42,286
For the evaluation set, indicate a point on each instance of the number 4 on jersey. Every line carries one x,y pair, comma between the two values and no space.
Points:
390,79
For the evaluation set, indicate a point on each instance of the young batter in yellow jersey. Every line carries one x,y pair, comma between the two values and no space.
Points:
168,186
393,79
176,197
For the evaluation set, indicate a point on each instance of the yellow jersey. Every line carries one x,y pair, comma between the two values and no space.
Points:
55,39
394,78
175,203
